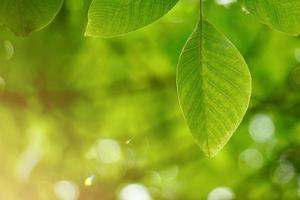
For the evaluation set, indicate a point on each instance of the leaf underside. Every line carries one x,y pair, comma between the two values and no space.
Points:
24,16
108,18
214,87
282,15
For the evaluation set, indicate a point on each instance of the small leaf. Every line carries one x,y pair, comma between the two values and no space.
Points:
282,15
109,18
24,16
214,87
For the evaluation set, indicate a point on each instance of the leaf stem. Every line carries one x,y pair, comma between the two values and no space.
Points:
201,10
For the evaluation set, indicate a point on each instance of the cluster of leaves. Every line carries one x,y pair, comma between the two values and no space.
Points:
213,80
64,92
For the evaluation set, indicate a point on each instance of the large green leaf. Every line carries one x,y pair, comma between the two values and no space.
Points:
24,16
283,15
214,87
109,18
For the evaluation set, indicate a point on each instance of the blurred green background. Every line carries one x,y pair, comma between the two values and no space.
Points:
98,119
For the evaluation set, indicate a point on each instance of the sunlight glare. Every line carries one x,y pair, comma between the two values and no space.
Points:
89,180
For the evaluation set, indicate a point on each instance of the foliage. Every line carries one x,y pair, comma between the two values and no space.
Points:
281,15
214,87
124,16
89,116
111,18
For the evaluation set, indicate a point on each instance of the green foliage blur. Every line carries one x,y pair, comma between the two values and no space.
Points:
92,118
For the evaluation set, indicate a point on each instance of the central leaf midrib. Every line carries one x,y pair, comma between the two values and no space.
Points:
202,75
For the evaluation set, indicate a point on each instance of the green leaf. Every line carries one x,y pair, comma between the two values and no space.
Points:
282,15
24,16
109,18
214,87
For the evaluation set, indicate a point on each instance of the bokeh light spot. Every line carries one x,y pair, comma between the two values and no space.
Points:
66,190
106,150
221,193
261,128
252,158
225,2
134,192
283,173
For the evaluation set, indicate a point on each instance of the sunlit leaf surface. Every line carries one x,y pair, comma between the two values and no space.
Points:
214,87
283,15
114,17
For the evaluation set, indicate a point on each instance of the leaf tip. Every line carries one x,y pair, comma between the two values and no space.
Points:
211,154
90,31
